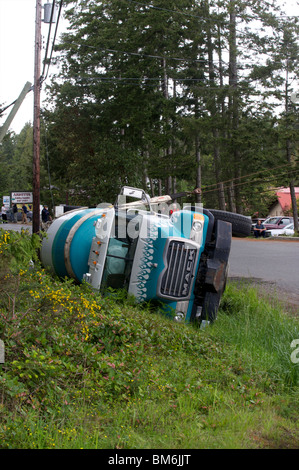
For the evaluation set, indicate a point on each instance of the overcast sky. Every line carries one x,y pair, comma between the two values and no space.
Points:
17,40
17,36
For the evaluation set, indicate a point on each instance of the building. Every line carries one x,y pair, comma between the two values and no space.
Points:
283,204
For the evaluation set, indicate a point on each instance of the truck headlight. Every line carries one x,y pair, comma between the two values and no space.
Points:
179,317
197,228
181,311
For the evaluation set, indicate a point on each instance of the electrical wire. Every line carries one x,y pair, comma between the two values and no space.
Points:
217,63
8,106
141,81
151,56
49,34
268,180
43,78
251,174
174,11
201,17
132,53
11,104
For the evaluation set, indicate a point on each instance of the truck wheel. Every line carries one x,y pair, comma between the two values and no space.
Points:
241,225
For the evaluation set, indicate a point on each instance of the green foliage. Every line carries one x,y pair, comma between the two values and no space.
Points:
144,97
18,248
6,157
21,168
263,342
82,371
142,89
16,156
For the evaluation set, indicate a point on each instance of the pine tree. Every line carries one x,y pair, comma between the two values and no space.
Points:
6,158
147,95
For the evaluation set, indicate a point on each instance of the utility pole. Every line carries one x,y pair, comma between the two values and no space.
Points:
36,119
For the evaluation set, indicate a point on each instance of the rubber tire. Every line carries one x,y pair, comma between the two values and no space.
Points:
241,225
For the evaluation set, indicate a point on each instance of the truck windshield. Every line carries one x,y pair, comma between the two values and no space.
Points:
120,253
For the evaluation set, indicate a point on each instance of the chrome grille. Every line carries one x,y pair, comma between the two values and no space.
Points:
177,278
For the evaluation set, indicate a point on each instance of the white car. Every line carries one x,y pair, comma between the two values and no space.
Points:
287,230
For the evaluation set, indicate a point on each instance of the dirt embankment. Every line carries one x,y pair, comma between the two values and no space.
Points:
272,293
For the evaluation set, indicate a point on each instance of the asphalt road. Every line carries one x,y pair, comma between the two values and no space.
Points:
266,260
19,226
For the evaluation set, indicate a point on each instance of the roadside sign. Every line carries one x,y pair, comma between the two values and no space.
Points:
6,201
19,197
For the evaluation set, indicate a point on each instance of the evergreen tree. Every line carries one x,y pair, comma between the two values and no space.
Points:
6,157
149,96
21,164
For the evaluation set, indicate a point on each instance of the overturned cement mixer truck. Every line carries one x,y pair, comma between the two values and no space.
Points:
175,257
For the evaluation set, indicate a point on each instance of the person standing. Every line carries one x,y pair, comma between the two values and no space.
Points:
46,218
15,213
24,214
3,213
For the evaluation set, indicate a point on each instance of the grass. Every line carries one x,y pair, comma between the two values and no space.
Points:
82,371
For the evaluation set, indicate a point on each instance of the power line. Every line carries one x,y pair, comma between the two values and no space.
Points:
142,79
250,174
268,180
49,34
151,56
43,78
201,17
161,57
172,11
219,62
6,107
11,104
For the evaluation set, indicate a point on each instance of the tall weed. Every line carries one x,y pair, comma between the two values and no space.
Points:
86,371
261,332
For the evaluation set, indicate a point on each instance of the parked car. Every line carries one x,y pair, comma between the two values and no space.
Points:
277,222
10,217
287,230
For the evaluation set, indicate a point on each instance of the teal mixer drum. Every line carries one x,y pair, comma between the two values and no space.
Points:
65,250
